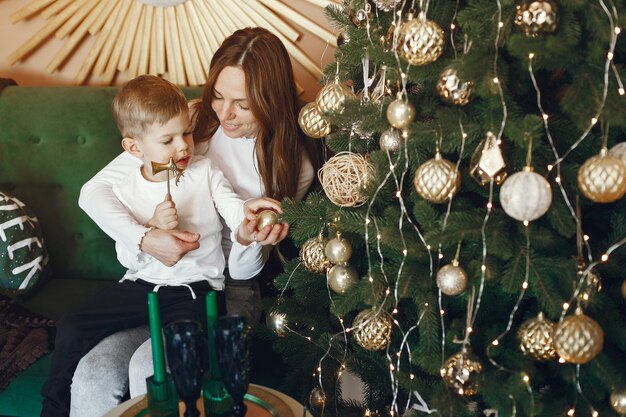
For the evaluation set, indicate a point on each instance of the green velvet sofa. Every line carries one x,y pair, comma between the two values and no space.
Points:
52,140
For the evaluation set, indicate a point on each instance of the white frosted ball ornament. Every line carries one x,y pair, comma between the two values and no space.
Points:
526,195
452,279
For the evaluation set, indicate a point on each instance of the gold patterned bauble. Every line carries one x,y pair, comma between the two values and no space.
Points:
526,195
602,178
266,218
487,162
578,338
619,151
331,99
372,330
420,41
452,89
312,122
338,250
312,255
391,140
535,336
618,401
317,401
536,17
277,322
461,371
344,178
341,278
400,112
452,279
437,180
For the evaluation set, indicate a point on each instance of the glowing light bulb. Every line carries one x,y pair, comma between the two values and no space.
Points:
604,258
594,414
525,223
391,367
370,279
561,360
571,412
440,256
398,194
411,376
394,311
489,205
621,91
594,120
609,56
565,306
617,30
495,80
531,55
469,329
404,252
425,304
524,285
452,26
367,220
545,116
550,167
483,268
391,167
586,237
500,24
495,343
557,179
525,378
442,312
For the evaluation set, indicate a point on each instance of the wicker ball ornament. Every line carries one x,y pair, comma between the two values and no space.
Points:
312,255
452,279
390,140
437,180
535,336
420,41
618,401
536,17
578,338
400,112
344,178
602,178
341,278
372,330
331,99
312,121
452,89
526,195
460,372
619,151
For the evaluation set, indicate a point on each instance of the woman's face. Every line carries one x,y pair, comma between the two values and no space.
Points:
230,103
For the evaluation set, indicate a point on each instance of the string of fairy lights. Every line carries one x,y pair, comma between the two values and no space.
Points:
402,104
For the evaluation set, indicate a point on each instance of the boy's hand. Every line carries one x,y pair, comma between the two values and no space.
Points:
165,216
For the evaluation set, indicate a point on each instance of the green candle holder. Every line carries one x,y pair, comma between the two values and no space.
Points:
217,401
162,397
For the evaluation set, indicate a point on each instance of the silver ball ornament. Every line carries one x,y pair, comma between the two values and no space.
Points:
341,278
277,322
400,113
452,279
391,140
338,250
618,401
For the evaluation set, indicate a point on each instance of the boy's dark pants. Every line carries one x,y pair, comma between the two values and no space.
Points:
121,306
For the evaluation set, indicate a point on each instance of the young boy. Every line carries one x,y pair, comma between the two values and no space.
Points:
153,118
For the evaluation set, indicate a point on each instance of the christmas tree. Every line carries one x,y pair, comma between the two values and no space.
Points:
465,254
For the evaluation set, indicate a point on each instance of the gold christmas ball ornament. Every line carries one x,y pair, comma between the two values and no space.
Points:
578,338
344,178
452,279
312,255
487,162
618,400
602,178
619,151
277,322
452,89
461,371
341,278
437,180
317,401
526,195
420,41
536,17
400,112
331,99
312,122
338,250
535,336
372,330
266,218
391,140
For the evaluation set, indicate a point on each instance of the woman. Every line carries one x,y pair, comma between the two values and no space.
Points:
246,122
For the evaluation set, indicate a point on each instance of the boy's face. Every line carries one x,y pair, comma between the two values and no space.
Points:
159,143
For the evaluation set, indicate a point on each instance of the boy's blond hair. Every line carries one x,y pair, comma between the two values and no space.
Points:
145,100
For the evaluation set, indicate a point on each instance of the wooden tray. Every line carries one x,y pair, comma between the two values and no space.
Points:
260,402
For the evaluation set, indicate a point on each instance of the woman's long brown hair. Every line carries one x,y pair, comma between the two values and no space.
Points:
273,100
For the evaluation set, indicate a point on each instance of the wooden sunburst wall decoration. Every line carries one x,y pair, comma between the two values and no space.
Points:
177,37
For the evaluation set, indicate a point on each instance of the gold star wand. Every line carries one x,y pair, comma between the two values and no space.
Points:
167,166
